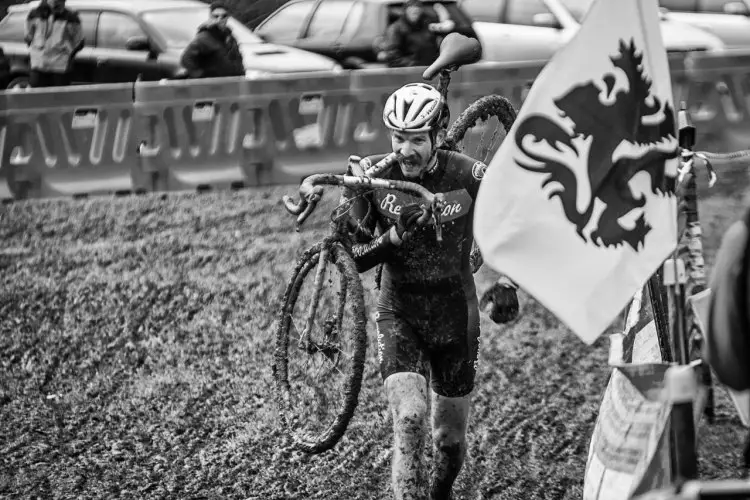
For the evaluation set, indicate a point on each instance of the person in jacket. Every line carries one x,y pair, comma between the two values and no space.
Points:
414,38
54,36
214,52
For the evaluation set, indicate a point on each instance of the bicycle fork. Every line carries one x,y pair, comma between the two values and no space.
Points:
306,337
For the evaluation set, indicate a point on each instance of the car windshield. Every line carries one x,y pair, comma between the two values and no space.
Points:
578,8
178,27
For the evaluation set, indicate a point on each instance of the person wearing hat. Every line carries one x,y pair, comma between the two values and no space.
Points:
214,52
54,36
414,38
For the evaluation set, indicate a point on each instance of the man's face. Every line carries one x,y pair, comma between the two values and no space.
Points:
416,149
413,13
220,16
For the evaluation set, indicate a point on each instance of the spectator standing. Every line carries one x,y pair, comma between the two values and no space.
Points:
214,52
54,36
414,38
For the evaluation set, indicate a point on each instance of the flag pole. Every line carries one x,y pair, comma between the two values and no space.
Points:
693,248
659,305
680,383
678,282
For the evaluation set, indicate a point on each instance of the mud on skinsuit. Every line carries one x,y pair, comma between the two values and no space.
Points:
427,313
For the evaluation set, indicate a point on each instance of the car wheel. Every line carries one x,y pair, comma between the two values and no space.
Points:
19,83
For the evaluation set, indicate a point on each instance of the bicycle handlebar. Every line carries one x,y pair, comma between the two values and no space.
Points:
376,170
311,192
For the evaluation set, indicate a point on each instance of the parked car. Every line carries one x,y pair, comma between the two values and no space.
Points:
729,20
128,38
527,30
349,31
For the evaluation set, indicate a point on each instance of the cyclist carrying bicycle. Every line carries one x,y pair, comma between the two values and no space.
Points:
427,312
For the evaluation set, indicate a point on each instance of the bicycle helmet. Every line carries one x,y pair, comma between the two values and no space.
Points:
415,107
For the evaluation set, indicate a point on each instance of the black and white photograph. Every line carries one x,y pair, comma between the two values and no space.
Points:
375,249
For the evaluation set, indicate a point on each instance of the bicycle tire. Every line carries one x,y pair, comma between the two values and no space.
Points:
481,110
289,412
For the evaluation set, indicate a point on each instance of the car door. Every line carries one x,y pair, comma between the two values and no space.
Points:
527,31
738,7
730,21
712,16
84,64
323,33
14,46
679,5
114,62
285,26
486,11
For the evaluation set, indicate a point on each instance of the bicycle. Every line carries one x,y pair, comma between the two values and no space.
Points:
338,344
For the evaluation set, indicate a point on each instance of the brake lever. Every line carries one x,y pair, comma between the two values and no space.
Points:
437,215
438,226
312,201
293,207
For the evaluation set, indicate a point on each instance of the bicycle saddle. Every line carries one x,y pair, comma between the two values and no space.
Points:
456,50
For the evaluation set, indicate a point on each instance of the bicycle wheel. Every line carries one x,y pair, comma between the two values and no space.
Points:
478,132
320,352
480,129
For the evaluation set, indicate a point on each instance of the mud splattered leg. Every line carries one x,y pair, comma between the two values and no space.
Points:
450,418
407,397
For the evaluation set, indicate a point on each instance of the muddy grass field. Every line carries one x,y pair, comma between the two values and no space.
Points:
135,354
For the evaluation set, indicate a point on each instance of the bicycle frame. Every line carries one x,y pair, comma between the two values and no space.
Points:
444,81
311,192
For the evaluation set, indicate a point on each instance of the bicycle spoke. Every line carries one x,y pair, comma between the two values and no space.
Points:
318,288
322,353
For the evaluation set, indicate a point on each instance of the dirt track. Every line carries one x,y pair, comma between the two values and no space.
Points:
135,344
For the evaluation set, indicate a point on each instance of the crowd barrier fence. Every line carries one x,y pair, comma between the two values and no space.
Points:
233,132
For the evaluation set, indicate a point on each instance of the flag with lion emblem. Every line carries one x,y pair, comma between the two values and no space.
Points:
578,205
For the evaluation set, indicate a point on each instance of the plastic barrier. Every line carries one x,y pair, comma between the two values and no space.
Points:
6,169
231,132
296,126
72,141
189,133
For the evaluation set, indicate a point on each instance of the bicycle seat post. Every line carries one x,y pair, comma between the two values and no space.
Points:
444,81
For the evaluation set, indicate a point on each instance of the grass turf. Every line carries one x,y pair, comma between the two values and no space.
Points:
135,352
